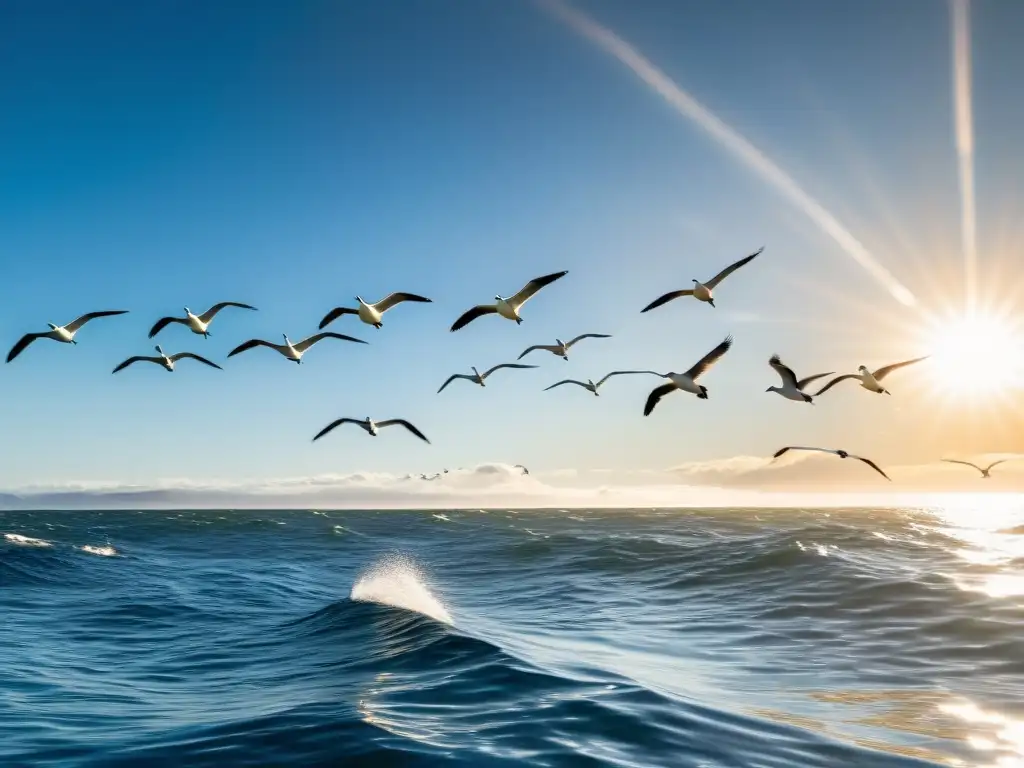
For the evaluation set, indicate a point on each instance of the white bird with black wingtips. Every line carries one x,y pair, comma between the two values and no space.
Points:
370,426
792,389
687,382
702,291
593,386
167,361
291,351
840,453
871,381
508,307
561,348
198,324
372,314
61,333
478,378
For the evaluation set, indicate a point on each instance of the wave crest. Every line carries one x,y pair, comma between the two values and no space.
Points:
397,581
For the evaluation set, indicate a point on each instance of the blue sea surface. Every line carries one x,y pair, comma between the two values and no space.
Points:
696,638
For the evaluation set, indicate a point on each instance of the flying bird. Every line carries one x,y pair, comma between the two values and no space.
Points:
868,380
167,361
688,381
372,314
593,387
62,333
508,307
840,454
561,348
198,324
477,377
984,470
792,389
703,291
371,426
291,351
520,466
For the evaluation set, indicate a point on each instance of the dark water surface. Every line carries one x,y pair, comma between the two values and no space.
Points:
543,638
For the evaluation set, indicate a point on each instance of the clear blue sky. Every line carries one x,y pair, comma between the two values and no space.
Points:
293,155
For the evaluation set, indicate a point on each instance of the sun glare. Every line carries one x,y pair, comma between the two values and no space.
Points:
976,354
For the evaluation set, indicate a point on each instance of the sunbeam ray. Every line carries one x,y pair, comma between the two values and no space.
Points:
731,140
961,34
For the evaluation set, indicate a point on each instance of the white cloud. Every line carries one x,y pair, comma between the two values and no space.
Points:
738,481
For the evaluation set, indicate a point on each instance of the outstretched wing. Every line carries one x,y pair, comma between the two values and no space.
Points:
881,373
397,298
136,359
163,322
805,381
309,341
406,424
489,371
566,381
334,314
994,463
332,425
732,268
211,313
788,377
588,336
968,464
799,448
77,323
835,381
193,356
710,358
622,373
452,378
548,347
252,344
470,315
656,394
666,299
23,342
872,464
527,291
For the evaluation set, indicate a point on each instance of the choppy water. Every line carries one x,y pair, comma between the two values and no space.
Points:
603,638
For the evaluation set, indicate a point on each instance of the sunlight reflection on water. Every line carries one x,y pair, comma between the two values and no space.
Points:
993,732
988,525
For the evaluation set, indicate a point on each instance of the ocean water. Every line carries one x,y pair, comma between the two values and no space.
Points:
694,638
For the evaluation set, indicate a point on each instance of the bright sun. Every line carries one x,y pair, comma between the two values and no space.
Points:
978,354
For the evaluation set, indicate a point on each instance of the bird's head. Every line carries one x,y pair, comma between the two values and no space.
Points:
473,368
52,326
559,342
842,454
360,299
160,351
862,368
497,297
770,389
694,280
188,311
286,339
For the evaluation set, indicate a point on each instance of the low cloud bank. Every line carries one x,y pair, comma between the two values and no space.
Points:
739,481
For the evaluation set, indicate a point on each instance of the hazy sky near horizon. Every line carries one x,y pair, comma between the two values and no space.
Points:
293,155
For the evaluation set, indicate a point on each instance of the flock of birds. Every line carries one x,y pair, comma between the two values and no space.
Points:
509,308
